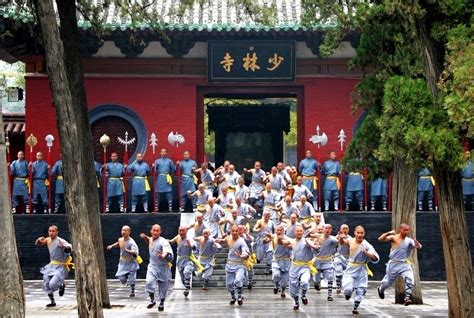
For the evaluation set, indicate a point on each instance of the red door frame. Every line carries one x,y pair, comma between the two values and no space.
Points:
273,90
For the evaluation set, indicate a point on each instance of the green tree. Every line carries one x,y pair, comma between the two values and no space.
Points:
416,39
59,37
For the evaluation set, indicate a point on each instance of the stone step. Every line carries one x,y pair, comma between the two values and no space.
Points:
257,272
222,266
257,282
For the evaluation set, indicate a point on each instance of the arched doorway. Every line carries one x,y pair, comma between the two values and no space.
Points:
115,121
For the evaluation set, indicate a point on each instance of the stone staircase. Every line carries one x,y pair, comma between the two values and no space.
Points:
260,280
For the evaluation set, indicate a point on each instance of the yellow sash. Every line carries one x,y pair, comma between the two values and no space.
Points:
68,263
369,272
338,182
46,182
315,181
169,179
196,262
195,179
139,259
429,177
121,180
59,177
147,184
310,264
250,261
27,182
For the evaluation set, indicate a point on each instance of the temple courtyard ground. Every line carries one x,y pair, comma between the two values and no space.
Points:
257,303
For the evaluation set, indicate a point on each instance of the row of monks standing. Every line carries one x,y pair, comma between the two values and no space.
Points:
139,176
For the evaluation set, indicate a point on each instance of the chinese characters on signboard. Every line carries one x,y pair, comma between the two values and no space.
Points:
251,61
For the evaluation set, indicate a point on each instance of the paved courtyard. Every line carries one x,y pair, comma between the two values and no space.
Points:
257,303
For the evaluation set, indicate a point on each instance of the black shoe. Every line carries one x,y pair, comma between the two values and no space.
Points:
348,297
61,289
317,287
51,304
304,300
407,301
151,304
132,295
249,286
355,312
296,307
232,301
275,290
161,307
240,301
381,293
283,295
330,298
186,292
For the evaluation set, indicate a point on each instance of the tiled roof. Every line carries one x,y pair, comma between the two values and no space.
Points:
13,124
220,15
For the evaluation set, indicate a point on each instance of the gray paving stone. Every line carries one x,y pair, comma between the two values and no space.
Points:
260,302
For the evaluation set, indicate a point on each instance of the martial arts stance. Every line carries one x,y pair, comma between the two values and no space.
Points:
129,259
340,259
200,196
235,269
263,227
57,270
301,265
208,248
399,263
159,268
252,260
198,226
184,263
281,262
324,259
256,187
356,275
213,215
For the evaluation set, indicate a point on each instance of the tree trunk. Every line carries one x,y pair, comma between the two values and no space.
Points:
79,176
454,232
70,36
12,297
404,211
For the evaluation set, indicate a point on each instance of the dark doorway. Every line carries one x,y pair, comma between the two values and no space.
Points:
264,94
244,134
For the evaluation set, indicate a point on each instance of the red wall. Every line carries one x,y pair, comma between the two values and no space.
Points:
167,104
328,104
